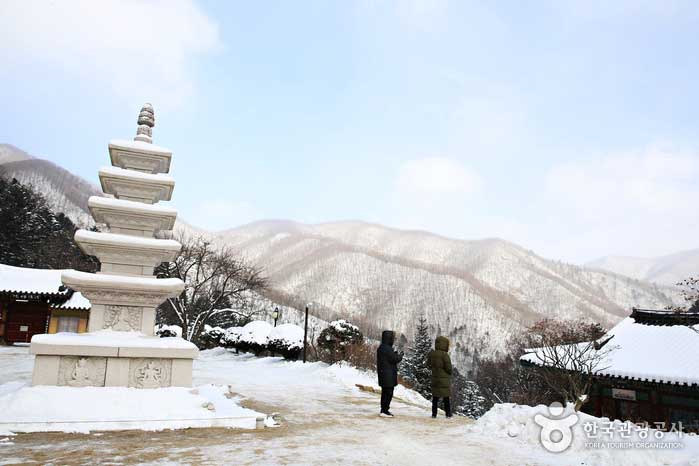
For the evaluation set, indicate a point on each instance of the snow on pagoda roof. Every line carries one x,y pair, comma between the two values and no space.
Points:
123,282
119,240
113,343
130,206
157,178
650,353
138,146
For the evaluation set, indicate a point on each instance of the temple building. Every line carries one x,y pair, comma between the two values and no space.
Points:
650,370
34,301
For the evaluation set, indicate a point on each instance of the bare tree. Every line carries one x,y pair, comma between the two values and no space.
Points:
505,380
569,369
689,288
218,284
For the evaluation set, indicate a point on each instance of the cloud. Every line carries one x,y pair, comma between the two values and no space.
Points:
218,214
653,183
641,203
436,176
141,50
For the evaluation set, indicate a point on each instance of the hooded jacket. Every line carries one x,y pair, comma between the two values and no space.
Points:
387,361
439,361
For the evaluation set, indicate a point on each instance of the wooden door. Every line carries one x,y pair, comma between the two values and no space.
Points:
24,320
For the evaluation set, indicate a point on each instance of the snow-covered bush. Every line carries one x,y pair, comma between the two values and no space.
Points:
253,337
335,340
211,337
168,331
231,337
286,340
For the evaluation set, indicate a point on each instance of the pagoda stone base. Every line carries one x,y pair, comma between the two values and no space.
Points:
97,371
112,359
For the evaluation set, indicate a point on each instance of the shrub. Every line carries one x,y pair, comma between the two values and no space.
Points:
164,331
253,337
286,340
361,355
231,337
211,337
336,339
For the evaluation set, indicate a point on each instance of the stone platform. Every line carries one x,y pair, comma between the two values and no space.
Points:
112,359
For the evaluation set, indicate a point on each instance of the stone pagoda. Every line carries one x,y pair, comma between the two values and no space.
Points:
120,348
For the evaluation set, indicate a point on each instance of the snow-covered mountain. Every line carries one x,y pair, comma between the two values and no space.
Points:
10,153
477,292
665,270
63,191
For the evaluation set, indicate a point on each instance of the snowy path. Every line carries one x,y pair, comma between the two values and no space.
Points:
326,421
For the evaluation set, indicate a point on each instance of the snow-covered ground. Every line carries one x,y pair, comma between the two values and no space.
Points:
326,419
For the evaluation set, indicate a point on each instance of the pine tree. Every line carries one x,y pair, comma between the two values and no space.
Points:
31,235
468,399
415,367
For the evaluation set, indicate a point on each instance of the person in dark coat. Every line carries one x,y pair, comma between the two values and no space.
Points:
387,360
440,363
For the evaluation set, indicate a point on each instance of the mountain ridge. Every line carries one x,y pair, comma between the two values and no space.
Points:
666,270
477,292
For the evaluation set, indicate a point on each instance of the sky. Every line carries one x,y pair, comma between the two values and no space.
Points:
569,128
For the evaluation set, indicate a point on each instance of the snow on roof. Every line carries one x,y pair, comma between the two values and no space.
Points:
652,353
26,280
76,301
41,282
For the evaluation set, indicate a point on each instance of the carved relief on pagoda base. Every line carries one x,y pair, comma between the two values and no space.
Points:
122,318
77,371
98,371
150,372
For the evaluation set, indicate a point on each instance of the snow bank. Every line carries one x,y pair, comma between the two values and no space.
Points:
85,409
590,445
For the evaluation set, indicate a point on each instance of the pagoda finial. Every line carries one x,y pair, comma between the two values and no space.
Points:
146,121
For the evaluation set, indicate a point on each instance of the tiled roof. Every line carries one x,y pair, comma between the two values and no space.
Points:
651,353
42,282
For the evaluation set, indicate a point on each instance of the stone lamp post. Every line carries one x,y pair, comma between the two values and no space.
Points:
120,348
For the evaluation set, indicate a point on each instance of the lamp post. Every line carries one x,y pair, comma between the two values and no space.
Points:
305,333
275,315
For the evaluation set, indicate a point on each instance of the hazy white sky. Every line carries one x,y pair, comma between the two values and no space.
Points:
567,127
